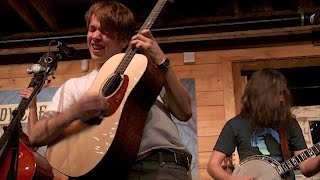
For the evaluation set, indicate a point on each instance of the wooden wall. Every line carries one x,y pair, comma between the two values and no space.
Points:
215,72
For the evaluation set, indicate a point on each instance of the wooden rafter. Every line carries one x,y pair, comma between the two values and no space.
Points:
267,6
25,13
46,13
224,36
306,5
236,9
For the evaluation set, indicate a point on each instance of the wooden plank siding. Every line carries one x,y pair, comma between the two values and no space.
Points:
214,74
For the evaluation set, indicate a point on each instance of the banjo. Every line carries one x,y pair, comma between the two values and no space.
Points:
265,168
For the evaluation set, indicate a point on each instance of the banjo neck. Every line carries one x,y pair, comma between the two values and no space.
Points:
294,161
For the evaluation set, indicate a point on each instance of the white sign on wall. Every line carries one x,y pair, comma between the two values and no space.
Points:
7,109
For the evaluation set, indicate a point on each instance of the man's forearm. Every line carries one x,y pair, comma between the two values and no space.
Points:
32,118
50,126
178,98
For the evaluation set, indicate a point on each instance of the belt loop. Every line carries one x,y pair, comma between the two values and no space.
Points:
161,162
175,158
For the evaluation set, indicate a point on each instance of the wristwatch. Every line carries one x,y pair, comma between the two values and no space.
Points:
164,64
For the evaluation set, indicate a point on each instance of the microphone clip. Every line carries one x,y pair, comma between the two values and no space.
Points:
45,67
46,64
67,50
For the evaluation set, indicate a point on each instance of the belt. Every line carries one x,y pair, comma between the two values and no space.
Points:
182,159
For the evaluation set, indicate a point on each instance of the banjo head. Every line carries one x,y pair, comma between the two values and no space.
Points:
258,167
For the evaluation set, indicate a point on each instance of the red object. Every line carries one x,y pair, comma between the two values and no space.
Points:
31,165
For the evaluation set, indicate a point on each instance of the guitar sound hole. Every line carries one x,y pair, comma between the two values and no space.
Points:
112,85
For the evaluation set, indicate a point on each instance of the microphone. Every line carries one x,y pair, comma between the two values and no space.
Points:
45,63
315,18
69,51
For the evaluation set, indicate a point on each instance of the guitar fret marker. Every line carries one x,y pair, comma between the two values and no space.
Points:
289,164
294,161
310,152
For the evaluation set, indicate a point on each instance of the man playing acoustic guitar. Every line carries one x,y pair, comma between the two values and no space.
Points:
78,107
258,133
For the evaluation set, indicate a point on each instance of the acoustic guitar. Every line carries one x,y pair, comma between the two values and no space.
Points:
131,85
266,168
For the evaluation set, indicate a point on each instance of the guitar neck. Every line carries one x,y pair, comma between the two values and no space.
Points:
294,161
130,52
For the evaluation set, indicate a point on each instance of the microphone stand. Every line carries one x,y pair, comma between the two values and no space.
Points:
13,131
16,129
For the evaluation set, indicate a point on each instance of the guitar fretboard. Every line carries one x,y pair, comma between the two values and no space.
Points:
130,52
294,161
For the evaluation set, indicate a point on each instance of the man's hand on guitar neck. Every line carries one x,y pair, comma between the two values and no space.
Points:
146,42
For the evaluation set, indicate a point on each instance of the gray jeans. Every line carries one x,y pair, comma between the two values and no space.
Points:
153,170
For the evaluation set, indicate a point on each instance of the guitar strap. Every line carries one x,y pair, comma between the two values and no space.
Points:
284,143
284,147
160,103
162,107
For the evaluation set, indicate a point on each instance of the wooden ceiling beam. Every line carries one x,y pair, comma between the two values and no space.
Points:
40,49
303,4
224,36
290,62
286,31
44,34
267,6
46,13
236,9
24,12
